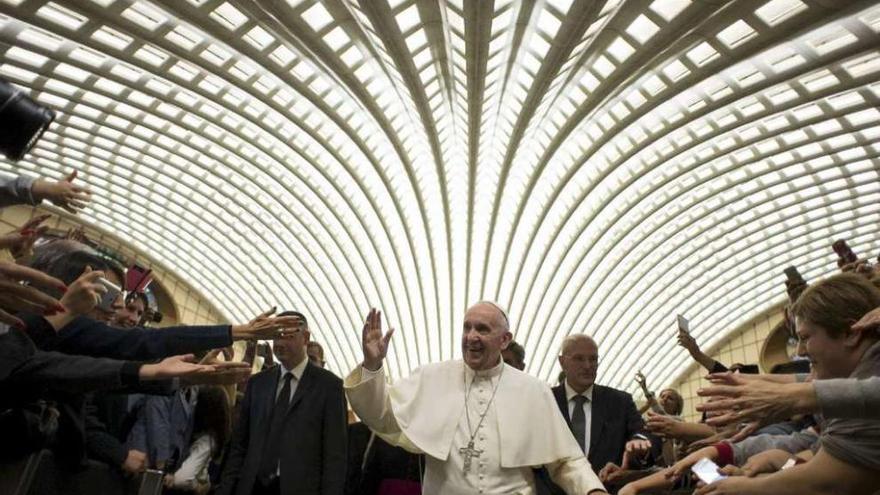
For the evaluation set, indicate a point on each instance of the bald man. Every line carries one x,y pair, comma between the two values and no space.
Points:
603,420
474,418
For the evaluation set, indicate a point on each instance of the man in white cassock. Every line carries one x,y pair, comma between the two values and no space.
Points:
483,425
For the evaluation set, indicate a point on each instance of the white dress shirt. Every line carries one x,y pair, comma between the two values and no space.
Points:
297,373
588,411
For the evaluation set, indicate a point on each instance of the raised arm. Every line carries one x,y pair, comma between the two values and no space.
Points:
375,345
366,389
687,341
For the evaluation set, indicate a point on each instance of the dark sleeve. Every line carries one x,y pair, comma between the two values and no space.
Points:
635,425
335,442
73,374
237,447
93,338
100,444
718,368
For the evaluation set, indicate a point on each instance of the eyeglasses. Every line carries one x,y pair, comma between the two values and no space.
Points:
583,359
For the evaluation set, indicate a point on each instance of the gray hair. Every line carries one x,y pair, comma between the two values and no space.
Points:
572,339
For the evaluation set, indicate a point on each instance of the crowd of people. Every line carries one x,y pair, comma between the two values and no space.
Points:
82,376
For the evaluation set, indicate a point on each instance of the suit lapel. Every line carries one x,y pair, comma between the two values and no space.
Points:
267,389
559,393
598,415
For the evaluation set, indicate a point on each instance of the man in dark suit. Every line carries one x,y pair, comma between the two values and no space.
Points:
603,420
291,432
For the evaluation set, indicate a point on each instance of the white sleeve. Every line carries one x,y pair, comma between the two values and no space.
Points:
368,397
188,475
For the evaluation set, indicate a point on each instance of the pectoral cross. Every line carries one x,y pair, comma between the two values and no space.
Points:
469,453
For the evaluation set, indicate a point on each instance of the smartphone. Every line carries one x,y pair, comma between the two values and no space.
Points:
683,324
794,276
844,251
109,297
707,471
137,278
151,482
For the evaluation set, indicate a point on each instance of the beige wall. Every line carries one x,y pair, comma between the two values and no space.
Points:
743,346
189,305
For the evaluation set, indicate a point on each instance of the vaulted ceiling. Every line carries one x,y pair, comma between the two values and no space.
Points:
593,166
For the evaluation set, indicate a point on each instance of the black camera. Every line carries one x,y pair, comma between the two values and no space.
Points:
22,121
152,316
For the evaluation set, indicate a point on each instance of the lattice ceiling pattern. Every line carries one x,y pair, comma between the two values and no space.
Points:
594,166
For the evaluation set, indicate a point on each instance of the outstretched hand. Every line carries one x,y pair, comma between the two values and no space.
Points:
740,400
224,372
20,242
268,327
375,344
173,367
63,193
17,297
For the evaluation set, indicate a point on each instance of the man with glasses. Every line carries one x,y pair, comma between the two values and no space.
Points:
291,432
603,420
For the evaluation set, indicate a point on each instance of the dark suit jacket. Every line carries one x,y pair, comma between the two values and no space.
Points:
614,421
313,452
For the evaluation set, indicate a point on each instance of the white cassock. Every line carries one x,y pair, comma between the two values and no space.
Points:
522,428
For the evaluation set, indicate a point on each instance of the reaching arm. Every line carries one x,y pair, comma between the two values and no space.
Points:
688,342
845,398
93,338
16,190
822,475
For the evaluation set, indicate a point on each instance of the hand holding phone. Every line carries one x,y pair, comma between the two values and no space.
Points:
109,297
707,471
683,324
844,251
794,276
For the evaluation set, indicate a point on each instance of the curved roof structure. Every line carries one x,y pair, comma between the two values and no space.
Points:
593,166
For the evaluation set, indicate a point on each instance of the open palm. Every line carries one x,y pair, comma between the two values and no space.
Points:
374,343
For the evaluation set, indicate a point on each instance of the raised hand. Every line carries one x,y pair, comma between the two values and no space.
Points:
375,344
641,380
64,193
84,293
687,341
268,327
